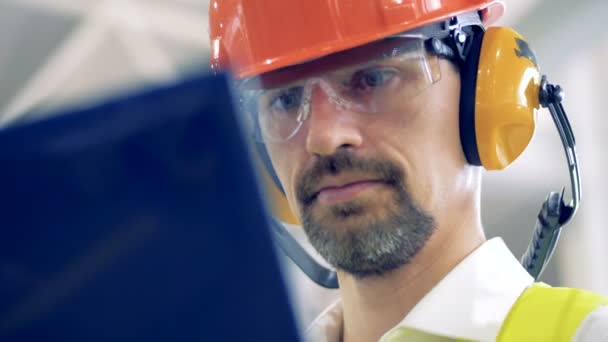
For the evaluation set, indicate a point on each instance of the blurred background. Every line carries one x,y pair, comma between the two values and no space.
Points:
57,53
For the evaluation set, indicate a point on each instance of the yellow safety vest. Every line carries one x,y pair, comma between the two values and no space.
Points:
542,314
552,314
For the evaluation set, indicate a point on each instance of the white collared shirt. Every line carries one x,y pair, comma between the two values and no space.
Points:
470,303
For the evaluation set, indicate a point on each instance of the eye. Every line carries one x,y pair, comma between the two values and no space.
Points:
373,78
286,100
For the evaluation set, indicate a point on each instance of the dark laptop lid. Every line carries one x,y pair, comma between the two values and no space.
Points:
138,219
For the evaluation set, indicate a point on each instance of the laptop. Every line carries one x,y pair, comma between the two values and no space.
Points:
138,219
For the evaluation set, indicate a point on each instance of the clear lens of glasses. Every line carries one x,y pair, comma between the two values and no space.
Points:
372,79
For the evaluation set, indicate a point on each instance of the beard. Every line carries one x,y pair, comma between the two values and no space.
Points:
367,246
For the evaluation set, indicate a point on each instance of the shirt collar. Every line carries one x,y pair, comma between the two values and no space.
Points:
471,302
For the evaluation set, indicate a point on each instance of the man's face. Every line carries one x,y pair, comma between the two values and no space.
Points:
370,187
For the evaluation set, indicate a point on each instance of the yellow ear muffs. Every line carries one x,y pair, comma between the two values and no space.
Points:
506,94
278,202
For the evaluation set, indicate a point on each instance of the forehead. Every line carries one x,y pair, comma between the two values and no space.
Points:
351,58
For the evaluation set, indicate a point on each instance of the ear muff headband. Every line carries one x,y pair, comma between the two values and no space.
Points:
508,91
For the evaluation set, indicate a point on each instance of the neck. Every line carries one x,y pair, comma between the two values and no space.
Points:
374,305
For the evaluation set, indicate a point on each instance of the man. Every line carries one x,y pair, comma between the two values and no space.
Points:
362,110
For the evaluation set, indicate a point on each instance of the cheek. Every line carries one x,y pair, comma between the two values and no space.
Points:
428,141
440,157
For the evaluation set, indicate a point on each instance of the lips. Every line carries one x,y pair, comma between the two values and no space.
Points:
343,175
340,190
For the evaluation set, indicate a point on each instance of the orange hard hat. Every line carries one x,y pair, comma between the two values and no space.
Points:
252,37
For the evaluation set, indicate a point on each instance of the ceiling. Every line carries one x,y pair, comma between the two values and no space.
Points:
58,51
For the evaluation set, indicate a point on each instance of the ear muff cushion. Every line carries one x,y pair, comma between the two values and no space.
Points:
468,85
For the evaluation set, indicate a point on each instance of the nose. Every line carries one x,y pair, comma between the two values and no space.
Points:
330,128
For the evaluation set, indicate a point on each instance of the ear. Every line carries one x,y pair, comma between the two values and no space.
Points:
499,98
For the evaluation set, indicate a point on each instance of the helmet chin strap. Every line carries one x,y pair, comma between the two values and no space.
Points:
554,212
553,215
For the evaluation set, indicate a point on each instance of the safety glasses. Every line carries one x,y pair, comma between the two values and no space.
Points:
374,79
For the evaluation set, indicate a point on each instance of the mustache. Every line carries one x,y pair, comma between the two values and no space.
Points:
344,161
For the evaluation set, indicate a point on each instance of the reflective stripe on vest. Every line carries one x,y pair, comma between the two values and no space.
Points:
544,313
